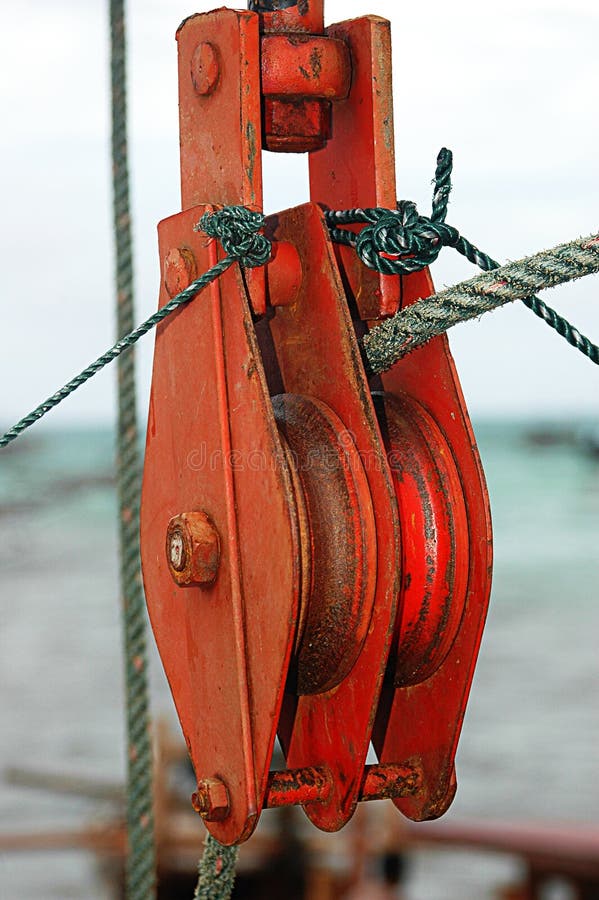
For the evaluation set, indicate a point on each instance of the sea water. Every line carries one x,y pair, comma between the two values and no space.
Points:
529,743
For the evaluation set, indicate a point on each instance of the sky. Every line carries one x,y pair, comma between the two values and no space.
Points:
510,88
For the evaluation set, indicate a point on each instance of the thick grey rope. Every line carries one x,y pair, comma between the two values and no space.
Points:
141,857
401,241
240,225
238,230
425,319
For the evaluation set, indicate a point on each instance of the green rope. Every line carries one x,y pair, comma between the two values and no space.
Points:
141,858
425,319
247,221
401,241
239,229
216,871
267,6
115,351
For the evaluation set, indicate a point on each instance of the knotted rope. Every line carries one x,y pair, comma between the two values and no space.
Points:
238,230
401,241
238,224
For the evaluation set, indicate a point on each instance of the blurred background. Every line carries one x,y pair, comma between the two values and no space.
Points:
511,90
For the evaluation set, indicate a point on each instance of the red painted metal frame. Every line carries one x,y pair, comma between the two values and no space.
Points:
232,649
220,134
318,355
427,718
357,168
212,446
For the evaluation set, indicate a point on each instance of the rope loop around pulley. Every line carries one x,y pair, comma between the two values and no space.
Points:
238,230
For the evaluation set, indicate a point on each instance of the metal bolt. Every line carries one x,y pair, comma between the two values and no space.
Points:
284,274
204,68
179,270
211,800
192,549
178,556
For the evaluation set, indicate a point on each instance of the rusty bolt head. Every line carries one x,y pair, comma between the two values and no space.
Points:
204,68
179,270
192,549
211,800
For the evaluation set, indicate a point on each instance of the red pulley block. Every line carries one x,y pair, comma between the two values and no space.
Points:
316,547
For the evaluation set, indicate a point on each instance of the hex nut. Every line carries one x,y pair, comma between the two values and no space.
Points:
192,549
211,800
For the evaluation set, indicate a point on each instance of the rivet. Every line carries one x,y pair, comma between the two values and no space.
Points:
179,270
204,69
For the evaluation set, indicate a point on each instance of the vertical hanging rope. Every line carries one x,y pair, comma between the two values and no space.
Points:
216,871
141,884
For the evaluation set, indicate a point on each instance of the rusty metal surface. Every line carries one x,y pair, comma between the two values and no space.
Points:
315,353
297,125
357,166
212,445
313,785
220,133
192,549
211,800
388,782
298,65
301,75
340,522
296,786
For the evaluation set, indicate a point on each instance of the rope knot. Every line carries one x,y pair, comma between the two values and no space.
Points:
401,241
238,230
